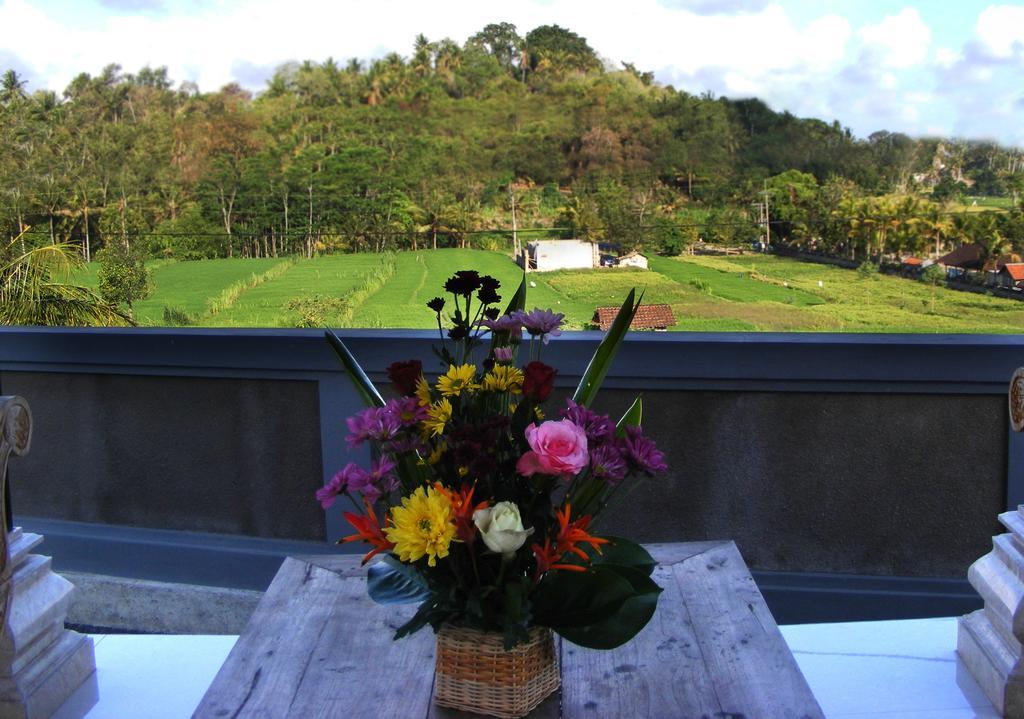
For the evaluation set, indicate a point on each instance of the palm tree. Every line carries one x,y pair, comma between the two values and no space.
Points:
987,236
32,294
936,226
12,88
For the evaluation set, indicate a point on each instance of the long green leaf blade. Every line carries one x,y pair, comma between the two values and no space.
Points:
591,381
632,418
362,383
518,301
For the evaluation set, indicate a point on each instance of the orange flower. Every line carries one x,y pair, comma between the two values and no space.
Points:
570,535
462,508
368,529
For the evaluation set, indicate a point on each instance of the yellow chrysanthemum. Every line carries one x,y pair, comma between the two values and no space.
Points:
423,391
422,527
456,379
503,378
437,417
435,455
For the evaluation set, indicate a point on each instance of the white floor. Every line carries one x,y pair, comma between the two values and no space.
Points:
858,670
885,670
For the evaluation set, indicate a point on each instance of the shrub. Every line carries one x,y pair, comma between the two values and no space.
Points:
177,317
315,310
933,275
867,270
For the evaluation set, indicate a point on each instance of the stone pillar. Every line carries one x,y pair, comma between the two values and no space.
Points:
989,640
41,662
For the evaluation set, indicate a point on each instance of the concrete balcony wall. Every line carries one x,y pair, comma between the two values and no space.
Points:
825,455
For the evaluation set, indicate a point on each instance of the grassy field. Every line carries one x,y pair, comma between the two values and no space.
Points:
706,293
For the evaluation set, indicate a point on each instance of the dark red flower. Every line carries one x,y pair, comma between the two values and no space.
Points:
403,376
488,293
464,282
538,381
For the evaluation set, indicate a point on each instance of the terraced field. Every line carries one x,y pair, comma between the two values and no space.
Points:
706,293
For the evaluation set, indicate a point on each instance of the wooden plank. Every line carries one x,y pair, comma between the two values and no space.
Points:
317,646
748,666
675,552
660,673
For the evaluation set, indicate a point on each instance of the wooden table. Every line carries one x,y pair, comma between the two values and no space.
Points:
318,646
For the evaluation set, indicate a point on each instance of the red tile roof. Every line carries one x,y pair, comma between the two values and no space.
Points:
648,317
1016,271
912,260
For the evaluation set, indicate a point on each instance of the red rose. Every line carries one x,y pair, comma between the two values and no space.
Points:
403,376
538,381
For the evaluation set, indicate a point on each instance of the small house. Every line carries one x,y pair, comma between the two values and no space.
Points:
546,255
964,257
911,266
1012,276
648,317
633,259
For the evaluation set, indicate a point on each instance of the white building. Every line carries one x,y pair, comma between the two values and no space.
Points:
544,255
633,259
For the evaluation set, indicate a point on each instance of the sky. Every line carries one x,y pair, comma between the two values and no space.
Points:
924,67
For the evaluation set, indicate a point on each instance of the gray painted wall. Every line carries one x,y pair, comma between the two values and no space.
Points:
192,453
868,483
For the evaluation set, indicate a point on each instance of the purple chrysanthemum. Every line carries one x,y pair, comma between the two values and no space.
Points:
542,322
642,453
407,411
598,427
607,462
404,444
374,423
379,480
503,354
512,323
349,477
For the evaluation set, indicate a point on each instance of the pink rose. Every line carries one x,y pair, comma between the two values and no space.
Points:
558,448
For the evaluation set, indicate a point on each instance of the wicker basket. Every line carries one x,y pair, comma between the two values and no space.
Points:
474,672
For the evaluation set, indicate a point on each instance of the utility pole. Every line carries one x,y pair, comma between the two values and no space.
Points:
765,218
515,238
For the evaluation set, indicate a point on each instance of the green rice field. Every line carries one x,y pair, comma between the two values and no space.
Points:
706,293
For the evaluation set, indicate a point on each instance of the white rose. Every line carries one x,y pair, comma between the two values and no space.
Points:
501,528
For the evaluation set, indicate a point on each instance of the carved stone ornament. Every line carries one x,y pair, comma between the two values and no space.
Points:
41,662
1017,400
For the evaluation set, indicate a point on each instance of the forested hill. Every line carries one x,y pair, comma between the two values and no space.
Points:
435,148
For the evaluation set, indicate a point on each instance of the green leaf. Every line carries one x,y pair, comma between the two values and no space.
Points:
632,417
518,301
389,581
579,599
625,553
419,620
626,622
371,397
591,381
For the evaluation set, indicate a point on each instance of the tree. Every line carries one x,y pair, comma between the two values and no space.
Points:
123,276
554,47
33,293
502,42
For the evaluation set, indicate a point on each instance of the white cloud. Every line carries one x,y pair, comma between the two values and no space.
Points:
900,40
717,7
946,57
1000,29
878,75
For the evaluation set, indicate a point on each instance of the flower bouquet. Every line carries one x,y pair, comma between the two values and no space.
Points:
480,506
